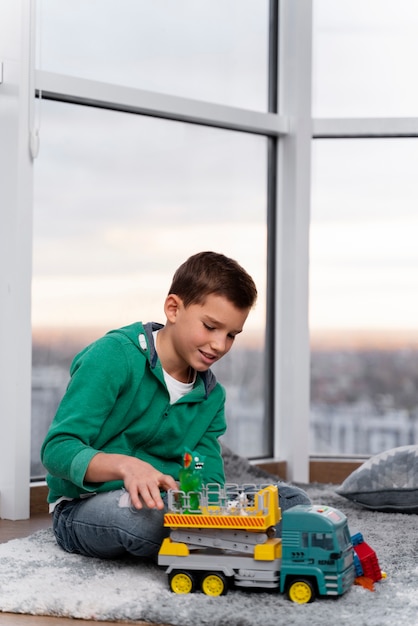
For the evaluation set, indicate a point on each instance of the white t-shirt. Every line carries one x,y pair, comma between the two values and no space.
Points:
176,389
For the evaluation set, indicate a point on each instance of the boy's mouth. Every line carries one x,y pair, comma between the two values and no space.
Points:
209,357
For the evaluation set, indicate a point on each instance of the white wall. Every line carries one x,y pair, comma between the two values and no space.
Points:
15,259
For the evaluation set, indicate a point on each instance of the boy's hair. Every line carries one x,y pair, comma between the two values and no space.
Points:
208,273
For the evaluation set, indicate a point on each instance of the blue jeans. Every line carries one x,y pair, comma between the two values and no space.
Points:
107,526
289,496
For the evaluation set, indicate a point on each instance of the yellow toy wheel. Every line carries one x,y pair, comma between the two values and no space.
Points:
214,584
182,582
301,591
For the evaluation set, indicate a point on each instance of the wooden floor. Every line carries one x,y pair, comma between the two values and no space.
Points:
23,528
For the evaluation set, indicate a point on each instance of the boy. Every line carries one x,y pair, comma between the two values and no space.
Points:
137,398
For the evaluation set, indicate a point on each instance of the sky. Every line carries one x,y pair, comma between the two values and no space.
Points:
364,257
121,201
113,190
106,246
364,260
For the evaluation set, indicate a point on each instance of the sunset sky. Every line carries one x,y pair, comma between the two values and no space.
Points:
93,228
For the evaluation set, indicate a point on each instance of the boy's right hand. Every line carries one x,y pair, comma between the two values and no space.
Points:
141,480
144,486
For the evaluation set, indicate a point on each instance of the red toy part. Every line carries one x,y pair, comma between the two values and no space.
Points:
368,560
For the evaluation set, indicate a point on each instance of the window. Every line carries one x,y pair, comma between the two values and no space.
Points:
120,201
322,540
364,58
363,260
210,51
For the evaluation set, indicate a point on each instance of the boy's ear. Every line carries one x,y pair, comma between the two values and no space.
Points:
171,306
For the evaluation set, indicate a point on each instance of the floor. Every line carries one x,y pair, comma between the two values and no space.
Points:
23,528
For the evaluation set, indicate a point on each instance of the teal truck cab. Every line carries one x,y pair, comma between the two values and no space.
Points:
317,553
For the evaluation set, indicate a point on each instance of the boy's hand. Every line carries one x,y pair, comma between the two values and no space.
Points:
143,483
141,480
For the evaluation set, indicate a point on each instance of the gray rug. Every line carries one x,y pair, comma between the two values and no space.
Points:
37,577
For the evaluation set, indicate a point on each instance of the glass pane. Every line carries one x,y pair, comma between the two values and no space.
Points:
120,202
365,54
212,50
364,296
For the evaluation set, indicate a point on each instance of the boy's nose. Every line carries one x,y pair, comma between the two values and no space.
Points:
218,343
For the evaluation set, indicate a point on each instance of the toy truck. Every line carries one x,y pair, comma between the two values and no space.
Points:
229,541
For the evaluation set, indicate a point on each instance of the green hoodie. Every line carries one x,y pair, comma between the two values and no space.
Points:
117,402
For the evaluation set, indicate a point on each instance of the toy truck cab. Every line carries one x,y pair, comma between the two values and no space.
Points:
317,553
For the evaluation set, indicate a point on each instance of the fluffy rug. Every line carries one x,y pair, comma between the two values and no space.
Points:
37,577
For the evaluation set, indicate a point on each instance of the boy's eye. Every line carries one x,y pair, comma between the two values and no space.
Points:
209,327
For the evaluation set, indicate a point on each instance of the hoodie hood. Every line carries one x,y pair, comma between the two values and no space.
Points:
141,335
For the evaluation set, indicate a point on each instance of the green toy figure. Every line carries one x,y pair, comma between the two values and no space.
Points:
191,478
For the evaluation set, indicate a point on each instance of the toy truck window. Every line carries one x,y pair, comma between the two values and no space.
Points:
305,540
343,538
322,540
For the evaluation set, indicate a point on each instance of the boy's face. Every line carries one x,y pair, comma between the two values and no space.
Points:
201,334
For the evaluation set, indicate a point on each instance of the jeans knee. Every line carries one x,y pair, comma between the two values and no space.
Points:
290,496
61,526
107,526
